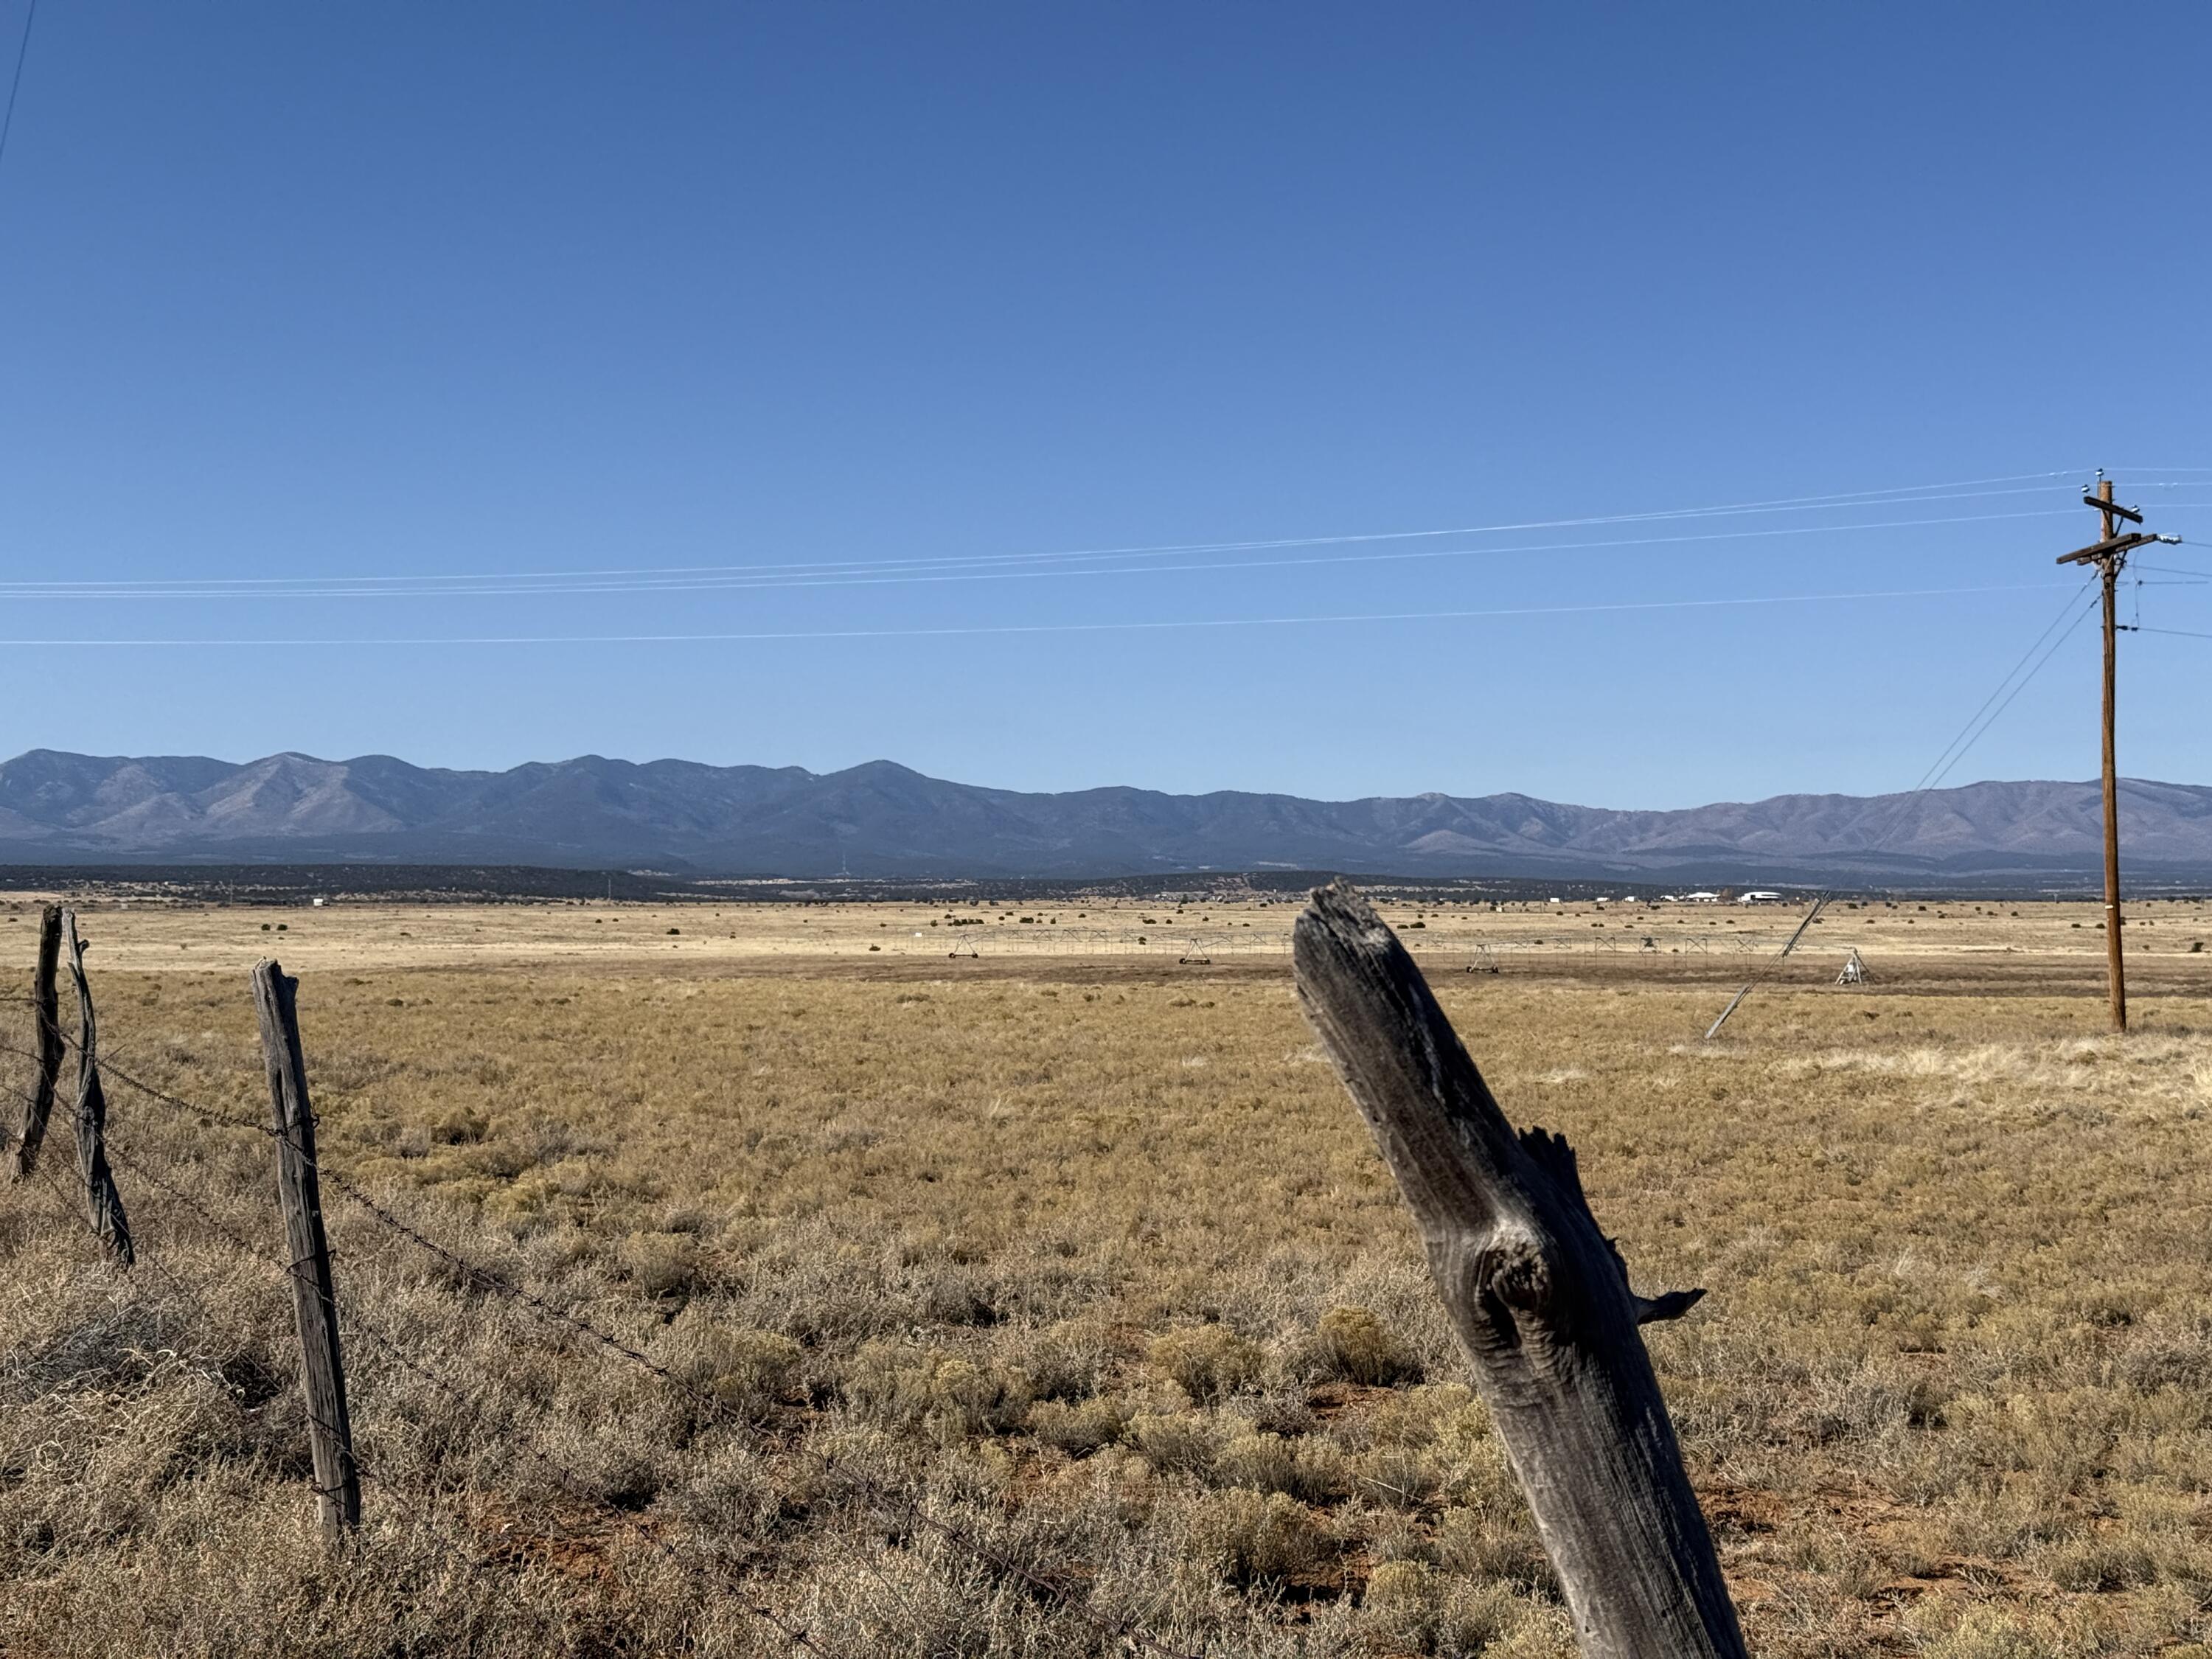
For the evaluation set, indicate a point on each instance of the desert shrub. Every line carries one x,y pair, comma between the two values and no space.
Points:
1262,1462
980,1398
1488,1618
734,1493
747,1371
1991,1633
1065,1361
1206,1361
2169,1354
1175,1441
1252,1540
1398,1614
1355,1345
1113,1487
459,1127
2101,1564
1396,1474
1480,1547
948,1396
1079,1430
1311,1468
955,1299
660,1264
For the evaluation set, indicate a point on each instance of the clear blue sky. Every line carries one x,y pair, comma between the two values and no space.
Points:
420,290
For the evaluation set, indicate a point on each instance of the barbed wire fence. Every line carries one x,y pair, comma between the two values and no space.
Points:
98,1205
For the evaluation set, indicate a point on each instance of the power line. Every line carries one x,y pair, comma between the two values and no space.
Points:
746,584
15,81
1938,769
1043,627
1967,735
1998,713
1898,496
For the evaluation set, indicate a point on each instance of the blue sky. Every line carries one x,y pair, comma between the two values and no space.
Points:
844,295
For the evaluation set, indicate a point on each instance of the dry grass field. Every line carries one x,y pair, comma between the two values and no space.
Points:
1054,1302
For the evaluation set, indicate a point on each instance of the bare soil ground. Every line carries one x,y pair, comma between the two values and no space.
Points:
1022,1301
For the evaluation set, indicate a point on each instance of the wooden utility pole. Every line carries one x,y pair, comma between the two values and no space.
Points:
2116,960
2110,556
314,1302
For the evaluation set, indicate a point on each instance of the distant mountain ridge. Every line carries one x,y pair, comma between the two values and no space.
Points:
884,819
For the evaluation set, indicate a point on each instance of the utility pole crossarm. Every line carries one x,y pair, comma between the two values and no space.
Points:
2111,547
2131,514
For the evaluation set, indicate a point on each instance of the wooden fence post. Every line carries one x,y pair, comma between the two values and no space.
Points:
103,1203
330,1431
45,1005
1540,1297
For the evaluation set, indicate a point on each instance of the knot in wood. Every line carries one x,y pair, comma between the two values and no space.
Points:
1513,1271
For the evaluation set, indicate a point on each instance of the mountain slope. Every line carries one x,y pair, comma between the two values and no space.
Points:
886,819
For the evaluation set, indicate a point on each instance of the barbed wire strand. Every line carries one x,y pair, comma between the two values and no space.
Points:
455,1554
500,1284
361,1327
720,1409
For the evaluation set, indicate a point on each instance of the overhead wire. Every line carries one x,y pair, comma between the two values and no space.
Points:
1895,496
15,80
645,578
749,584
2070,616
1967,735
1014,629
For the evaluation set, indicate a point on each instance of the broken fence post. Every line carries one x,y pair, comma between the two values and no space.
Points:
104,1204
314,1303
45,1006
1538,1296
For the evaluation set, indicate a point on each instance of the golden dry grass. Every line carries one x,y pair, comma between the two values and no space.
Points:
160,937
1050,1271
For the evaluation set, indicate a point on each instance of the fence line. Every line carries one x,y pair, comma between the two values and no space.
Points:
1125,1630
363,1327
201,1292
498,1283
103,1202
719,1409
46,1016
360,1325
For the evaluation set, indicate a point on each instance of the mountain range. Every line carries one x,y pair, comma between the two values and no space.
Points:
884,819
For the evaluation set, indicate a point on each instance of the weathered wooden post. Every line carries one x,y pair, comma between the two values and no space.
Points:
103,1203
1540,1297
45,1007
314,1303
